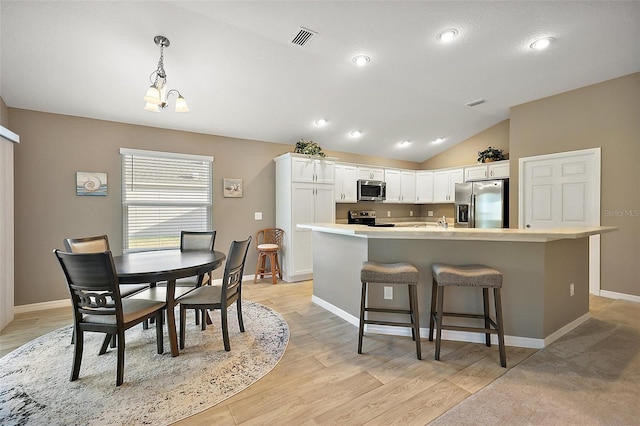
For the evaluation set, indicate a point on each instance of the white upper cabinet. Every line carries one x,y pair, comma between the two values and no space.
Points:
424,187
498,170
371,173
401,186
444,184
305,169
346,183
495,170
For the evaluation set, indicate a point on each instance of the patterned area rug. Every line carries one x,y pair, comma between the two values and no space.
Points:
157,389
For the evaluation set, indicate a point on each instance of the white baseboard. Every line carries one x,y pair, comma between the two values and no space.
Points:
564,330
54,304
460,336
621,296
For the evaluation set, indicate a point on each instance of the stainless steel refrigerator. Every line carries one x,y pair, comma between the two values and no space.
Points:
483,204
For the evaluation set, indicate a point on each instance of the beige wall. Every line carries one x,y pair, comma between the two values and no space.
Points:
466,152
53,147
605,115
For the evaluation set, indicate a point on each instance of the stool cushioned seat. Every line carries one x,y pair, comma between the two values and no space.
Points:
390,273
467,276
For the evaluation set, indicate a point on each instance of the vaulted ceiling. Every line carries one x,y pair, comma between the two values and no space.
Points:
236,65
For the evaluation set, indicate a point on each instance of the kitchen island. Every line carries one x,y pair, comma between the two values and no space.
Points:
545,290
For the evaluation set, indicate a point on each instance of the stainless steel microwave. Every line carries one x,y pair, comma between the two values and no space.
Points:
372,190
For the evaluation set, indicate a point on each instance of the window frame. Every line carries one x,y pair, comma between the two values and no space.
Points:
126,195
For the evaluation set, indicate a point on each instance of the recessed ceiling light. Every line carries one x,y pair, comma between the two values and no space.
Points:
356,134
541,43
361,60
405,143
320,122
447,35
438,140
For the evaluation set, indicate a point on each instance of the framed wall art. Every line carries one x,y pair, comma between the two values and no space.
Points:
91,183
232,188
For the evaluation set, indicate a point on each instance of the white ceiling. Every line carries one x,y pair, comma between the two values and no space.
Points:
242,77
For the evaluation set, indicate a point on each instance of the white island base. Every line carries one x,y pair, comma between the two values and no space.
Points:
539,269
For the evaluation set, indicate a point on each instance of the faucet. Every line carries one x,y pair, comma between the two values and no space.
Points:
443,222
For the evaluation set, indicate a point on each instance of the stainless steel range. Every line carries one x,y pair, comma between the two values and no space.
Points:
365,217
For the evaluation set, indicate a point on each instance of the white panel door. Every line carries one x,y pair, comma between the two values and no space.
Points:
563,190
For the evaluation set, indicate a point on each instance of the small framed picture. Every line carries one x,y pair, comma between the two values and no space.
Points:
232,188
91,183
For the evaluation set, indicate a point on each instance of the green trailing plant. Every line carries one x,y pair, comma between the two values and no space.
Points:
309,148
491,154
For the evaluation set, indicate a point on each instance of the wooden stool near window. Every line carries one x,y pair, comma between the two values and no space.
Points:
478,276
402,273
268,242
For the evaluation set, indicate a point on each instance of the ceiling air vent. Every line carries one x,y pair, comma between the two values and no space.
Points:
303,37
474,103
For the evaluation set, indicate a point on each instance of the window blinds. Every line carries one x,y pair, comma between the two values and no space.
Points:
163,194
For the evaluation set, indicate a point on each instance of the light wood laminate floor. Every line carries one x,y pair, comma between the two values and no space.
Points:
321,378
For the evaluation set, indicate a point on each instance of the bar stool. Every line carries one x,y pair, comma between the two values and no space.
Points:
479,276
395,274
268,243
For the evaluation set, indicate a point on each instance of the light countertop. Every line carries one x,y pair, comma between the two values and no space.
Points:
463,234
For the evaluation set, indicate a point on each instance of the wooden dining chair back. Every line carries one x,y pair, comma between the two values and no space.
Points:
219,296
268,243
96,244
99,244
99,307
197,240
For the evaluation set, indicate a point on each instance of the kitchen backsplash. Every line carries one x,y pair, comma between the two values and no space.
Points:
397,212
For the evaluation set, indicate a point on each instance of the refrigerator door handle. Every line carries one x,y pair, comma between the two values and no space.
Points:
472,212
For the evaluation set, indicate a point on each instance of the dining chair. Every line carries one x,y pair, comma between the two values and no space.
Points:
99,244
268,243
99,307
219,296
196,240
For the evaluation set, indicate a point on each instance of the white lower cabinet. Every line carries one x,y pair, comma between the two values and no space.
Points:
298,202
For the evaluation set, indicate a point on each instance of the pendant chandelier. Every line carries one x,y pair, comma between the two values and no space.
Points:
157,96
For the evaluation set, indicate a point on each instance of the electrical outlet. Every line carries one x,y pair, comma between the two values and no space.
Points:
388,213
388,292
572,289
430,213
258,215
411,213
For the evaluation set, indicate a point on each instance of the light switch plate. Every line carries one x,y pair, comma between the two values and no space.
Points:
388,293
258,215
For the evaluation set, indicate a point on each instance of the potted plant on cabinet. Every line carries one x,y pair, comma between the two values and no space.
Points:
491,154
309,148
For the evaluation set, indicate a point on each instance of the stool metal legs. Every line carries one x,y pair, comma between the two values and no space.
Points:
413,313
490,326
363,298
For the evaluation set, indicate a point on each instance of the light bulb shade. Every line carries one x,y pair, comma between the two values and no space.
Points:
152,107
153,96
181,105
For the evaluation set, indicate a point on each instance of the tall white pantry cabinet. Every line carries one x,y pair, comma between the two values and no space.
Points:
305,193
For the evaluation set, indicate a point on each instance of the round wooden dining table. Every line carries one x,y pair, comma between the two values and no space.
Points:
166,265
